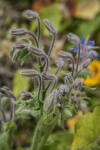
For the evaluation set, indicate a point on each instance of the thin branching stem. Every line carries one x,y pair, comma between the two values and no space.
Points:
78,58
52,44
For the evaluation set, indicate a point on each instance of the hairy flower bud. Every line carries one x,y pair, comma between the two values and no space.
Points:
63,89
92,54
38,52
68,56
50,27
31,14
18,31
86,63
50,100
7,92
73,38
59,62
77,85
25,95
68,79
29,72
17,46
33,73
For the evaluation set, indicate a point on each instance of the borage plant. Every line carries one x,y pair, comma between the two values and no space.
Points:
52,103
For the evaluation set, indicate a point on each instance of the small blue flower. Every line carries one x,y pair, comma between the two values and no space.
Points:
82,43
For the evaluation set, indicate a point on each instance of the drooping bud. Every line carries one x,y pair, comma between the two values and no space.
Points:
17,46
92,54
33,73
25,95
38,52
68,56
31,14
68,79
50,27
7,92
59,62
49,76
18,31
77,85
50,100
73,38
29,72
63,89
86,63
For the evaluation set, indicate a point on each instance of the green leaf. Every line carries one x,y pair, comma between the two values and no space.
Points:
89,88
86,73
87,129
20,83
3,141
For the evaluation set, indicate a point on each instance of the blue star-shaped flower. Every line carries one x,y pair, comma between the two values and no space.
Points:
82,43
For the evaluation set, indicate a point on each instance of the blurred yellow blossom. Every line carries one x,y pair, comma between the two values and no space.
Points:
95,69
72,121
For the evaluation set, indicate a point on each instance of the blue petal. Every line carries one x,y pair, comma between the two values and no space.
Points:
82,41
90,43
74,49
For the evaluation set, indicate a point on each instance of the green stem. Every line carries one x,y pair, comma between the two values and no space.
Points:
36,135
49,130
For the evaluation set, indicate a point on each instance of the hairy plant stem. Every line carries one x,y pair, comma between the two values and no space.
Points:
45,137
36,135
53,41
78,58
38,20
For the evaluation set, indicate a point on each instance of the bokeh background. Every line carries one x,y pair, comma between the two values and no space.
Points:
77,16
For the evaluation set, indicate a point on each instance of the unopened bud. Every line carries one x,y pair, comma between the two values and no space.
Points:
86,63
92,54
50,100
36,51
25,95
63,90
65,55
68,79
48,76
7,92
73,38
18,31
17,45
77,85
59,62
50,27
31,14
29,73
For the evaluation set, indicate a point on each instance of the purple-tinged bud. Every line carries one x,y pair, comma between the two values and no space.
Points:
68,56
77,85
63,89
18,31
68,79
29,73
50,100
49,76
73,38
50,27
86,63
16,46
59,62
25,95
31,14
33,73
38,52
7,92
92,54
